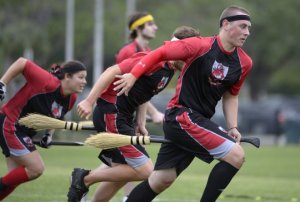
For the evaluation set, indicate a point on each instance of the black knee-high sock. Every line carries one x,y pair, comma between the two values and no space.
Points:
219,178
142,193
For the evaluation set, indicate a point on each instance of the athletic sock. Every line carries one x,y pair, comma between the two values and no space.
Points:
11,180
6,192
15,177
219,178
142,192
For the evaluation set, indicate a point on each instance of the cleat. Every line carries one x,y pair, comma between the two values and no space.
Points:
77,188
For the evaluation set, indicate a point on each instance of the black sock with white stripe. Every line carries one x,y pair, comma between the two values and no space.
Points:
219,178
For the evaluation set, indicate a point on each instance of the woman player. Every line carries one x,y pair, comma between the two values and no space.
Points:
52,94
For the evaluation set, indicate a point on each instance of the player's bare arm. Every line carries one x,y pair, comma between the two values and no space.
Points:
141,120
84,108
230,110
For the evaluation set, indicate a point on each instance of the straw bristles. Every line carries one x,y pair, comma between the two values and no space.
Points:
42,122
111,140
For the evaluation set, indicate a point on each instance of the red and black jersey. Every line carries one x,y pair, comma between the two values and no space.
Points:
128,50
209,72
42,93
148,85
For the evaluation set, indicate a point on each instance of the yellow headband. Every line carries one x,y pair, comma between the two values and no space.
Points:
141,21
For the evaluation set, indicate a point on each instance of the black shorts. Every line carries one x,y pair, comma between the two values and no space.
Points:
193,135
12,140
107,118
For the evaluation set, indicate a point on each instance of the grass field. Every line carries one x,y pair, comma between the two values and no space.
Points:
270,174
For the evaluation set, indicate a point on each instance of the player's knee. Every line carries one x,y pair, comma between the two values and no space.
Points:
161,180
145,172
238,156
35,171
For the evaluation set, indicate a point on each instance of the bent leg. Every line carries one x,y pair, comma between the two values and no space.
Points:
106,190
119,173
222,174
158,181
20,169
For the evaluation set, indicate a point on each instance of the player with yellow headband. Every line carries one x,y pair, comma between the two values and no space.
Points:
142,30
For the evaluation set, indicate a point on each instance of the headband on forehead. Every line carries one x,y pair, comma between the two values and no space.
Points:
235,18
73,69
141,21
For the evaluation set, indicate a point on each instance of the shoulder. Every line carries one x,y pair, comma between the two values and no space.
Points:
198,45
245,59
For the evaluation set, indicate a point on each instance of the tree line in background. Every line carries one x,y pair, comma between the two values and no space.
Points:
38,27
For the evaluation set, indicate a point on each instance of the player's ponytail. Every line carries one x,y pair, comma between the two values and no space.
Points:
70,68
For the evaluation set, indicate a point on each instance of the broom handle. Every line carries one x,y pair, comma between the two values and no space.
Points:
88,127
69,125
255,141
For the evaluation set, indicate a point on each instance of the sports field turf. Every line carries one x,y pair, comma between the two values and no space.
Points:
270,174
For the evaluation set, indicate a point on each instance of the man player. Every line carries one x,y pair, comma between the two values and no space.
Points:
216,67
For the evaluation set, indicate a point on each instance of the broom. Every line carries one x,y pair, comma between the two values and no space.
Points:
42,122
107,140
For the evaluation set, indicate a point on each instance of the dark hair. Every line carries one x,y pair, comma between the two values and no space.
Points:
183,32
70,68
132,19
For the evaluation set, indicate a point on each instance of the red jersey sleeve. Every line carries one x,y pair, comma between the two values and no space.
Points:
171,50
35,75
246,63
127,64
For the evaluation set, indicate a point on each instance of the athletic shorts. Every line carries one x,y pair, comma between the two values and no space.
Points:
193,135
107,118
13,141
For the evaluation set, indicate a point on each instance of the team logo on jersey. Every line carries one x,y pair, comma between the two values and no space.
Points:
56,109
28,141
163,82
218,73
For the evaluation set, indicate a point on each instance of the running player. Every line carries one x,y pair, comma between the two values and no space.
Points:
115,114
44,93
215,69
142,29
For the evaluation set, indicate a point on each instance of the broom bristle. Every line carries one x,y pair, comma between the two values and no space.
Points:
41,122
107,140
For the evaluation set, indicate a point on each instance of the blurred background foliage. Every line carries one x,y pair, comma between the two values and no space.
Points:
38,27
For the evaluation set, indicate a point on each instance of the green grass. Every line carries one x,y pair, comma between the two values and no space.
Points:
270,174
